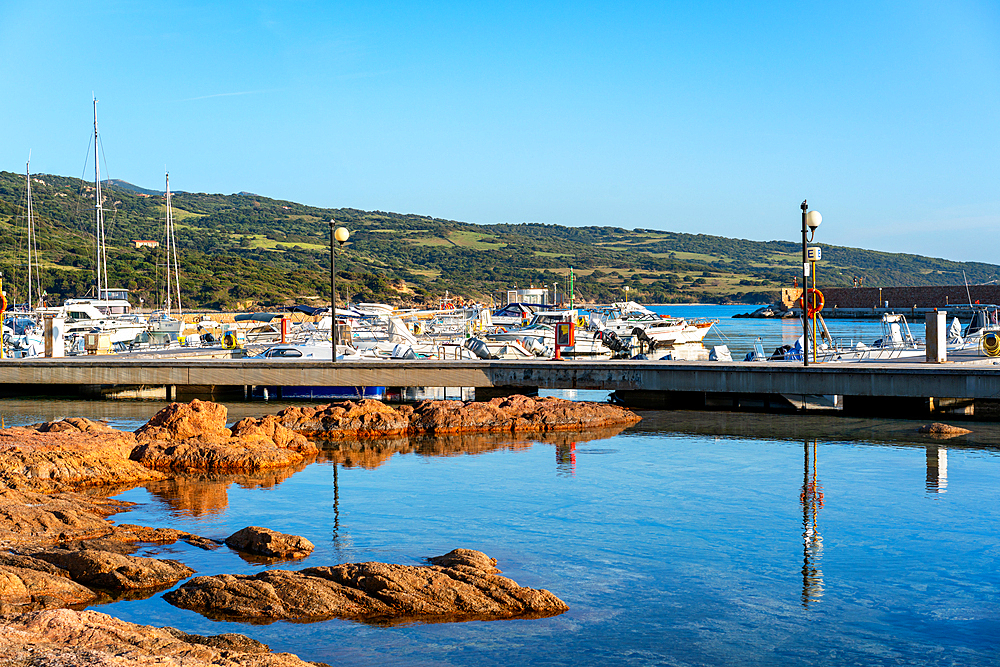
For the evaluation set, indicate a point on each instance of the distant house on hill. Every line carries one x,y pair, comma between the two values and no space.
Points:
146,244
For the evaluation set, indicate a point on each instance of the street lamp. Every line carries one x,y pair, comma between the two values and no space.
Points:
810,221
340,235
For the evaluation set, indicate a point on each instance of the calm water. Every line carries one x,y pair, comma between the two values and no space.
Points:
689,539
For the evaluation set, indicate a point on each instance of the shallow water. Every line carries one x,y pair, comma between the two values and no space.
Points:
689,539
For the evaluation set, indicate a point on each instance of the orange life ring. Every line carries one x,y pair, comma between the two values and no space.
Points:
449,306
816,301
501,330
3,303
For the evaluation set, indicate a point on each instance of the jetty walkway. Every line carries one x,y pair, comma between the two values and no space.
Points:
883,389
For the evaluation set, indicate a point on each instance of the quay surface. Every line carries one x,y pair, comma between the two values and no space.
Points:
897,386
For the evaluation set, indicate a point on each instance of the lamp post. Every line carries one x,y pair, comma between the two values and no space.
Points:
340,235
810,221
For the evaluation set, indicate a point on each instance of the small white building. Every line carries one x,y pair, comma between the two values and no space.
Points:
538,295
146,244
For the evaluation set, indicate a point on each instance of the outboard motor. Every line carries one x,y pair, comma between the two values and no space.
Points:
403,351
611,340
535,346
478,348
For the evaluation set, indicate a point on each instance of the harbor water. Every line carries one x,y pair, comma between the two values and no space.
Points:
688,539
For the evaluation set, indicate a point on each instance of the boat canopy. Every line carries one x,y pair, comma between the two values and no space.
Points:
255,317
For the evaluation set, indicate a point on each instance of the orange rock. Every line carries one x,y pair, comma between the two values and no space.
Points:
68,454
66,637
200,420
194,437
512,414
346,419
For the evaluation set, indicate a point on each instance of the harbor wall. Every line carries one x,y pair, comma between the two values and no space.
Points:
935,296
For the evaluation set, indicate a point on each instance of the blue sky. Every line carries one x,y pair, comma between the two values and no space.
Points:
707,117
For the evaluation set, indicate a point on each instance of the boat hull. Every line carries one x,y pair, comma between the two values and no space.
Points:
316,393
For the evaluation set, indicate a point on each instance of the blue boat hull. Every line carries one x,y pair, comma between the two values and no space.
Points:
311,393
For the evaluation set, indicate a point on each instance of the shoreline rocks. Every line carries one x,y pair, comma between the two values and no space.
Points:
467,586
58,548
78,638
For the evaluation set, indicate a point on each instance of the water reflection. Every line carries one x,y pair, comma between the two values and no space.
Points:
937,469
566,459
340,539
811,499
207,494
371,454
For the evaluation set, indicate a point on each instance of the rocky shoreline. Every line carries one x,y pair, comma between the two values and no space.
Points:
60,552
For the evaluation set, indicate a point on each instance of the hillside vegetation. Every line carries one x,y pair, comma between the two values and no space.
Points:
245,251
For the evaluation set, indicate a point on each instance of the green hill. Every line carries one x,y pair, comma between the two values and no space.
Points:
244,250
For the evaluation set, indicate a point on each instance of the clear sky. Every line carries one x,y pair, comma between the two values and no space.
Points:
703,117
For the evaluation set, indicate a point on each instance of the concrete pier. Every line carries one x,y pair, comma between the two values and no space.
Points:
878,388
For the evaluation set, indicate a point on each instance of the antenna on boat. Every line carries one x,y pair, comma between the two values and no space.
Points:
967,292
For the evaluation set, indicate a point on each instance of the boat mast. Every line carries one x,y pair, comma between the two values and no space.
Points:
102,250
172,256
33,276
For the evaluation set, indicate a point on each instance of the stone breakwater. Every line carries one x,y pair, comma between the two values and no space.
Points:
60,552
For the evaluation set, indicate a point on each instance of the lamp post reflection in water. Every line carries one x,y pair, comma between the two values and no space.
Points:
566,459
339,541
937,469
811,499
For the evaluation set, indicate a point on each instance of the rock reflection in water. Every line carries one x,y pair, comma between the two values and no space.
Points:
206,494
811,499
937,469
373,453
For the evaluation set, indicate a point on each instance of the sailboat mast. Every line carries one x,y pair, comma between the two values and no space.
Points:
102,251
167,299
31,233
173,245
172,265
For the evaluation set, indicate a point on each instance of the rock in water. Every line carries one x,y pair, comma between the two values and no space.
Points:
197,420
115,571
511,414
346,419
945,430
467,587
80,638
270,543
194,437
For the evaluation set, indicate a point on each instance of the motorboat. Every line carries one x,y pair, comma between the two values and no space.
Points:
539,335
629,318
516,314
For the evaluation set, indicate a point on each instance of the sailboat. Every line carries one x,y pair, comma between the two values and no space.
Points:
164,321
109,311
